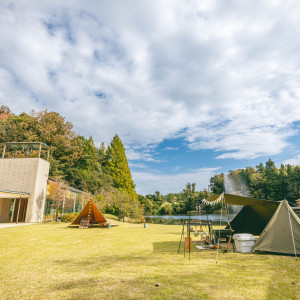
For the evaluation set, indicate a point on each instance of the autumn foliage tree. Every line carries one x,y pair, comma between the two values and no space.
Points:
56,195
73,158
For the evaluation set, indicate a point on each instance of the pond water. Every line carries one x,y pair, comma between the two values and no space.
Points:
204,217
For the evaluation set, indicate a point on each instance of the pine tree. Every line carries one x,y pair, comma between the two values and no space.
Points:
117,167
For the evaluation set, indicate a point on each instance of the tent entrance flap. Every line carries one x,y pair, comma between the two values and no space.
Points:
252,219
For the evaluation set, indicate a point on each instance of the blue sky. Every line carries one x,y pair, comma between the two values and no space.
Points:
193,88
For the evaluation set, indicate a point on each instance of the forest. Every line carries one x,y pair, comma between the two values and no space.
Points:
104,171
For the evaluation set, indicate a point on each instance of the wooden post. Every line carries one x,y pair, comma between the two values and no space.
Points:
188,239
18,211
13,211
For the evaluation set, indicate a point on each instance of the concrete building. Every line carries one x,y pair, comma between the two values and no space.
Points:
23,185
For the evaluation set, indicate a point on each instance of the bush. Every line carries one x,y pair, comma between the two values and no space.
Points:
70,217
112,217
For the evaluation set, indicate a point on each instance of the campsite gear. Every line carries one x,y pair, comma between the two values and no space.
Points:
217,256
227,246
108,226
224,234
145,225
190,225
282,234
253,217
244,242
188,245
92,213
84,222
206,247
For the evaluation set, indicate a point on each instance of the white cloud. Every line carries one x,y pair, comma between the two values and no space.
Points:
293,161
138,153
149,182
137,165
223,76
171,148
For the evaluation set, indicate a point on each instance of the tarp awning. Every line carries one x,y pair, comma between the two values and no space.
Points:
253,217
237,200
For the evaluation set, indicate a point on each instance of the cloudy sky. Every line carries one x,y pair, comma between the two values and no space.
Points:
193,88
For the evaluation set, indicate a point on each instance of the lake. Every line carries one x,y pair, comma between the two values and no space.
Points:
211,217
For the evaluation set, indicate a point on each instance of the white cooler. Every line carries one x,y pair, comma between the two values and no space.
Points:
244,242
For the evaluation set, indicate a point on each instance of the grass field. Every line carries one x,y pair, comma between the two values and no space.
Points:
53,261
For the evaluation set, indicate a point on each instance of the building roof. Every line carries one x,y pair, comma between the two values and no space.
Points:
13,194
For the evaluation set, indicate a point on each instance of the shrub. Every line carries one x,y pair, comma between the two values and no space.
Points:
70,217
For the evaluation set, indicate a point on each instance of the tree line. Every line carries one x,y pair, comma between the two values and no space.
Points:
76,160
260,182
104,171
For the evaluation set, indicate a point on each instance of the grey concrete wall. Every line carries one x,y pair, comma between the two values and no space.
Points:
28,175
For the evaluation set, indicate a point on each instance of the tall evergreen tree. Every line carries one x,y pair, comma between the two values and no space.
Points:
117,167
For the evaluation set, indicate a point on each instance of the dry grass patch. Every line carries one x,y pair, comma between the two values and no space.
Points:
52,261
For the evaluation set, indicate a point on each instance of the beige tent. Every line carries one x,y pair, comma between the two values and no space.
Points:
282,233
92,214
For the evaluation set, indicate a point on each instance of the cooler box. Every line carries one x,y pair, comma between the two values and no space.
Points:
244,242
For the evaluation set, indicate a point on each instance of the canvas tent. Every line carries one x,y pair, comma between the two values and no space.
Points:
282,233
253,217
92,214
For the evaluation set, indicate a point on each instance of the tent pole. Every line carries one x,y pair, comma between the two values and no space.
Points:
292,235
219,235
183,242
182,233
189,237
90,214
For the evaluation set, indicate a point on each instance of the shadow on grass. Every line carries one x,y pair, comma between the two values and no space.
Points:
96,261
130,287
94,227
74,284
171,246
100,275
188,283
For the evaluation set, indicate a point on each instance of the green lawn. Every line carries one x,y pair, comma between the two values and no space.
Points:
53,261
